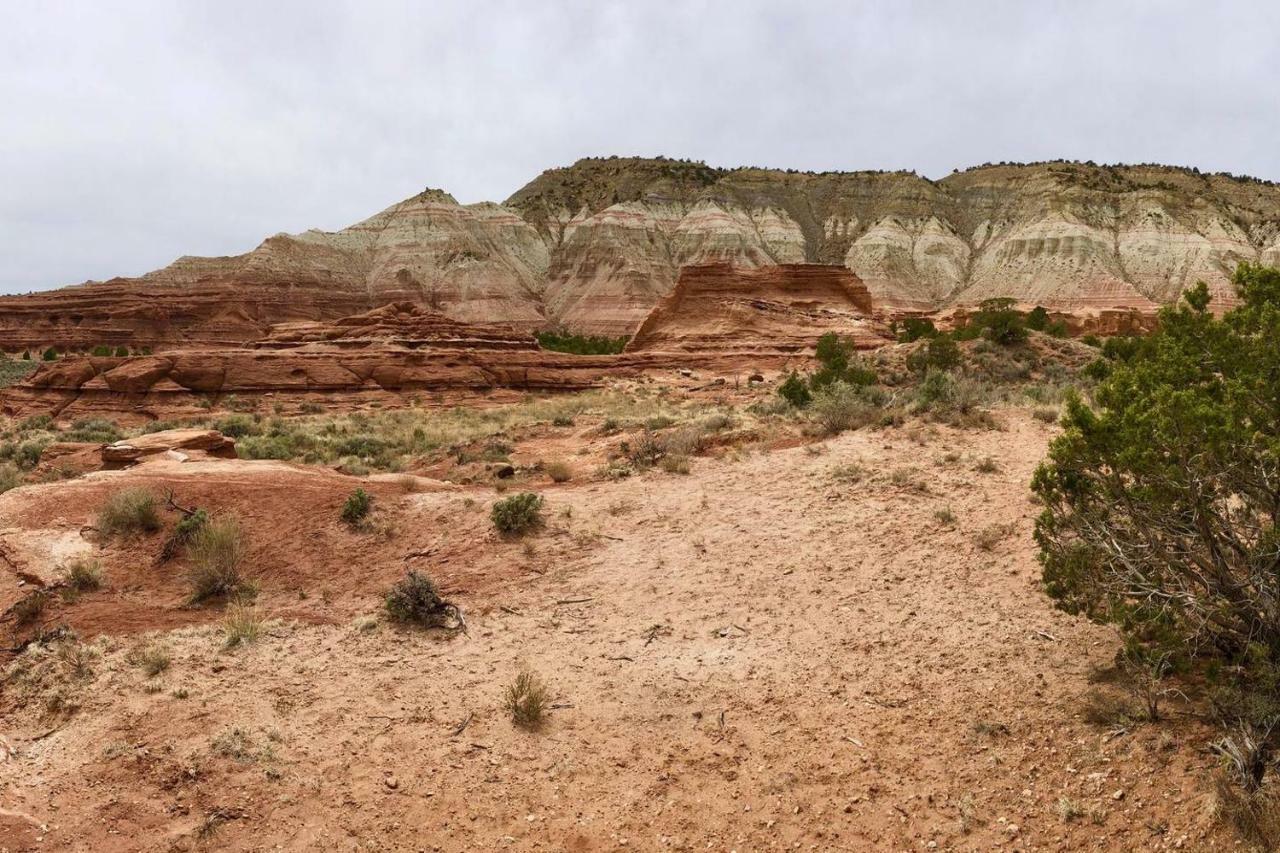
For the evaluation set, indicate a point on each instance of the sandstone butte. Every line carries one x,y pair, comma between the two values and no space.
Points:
595,246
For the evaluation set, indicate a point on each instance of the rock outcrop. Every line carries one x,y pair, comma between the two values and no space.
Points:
759,313
594,246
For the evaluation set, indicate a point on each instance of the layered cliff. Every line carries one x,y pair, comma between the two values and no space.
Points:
595,246
759,313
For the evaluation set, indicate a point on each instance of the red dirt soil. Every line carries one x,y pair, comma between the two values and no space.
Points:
782,650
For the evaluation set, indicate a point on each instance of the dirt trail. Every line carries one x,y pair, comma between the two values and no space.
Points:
757,656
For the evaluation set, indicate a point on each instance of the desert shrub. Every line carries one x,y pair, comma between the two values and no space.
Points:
839,363
102,350
915,328
416,599
236,426
50,354
645,451
10,477
357,507
997,320
580,344
558,471
1255,815
1162,505
839,406
241,625
158,426
129,512
1091,340
941,353
527,700
122,352
795,390
1046,415
675,463
94,430
517,514
217,551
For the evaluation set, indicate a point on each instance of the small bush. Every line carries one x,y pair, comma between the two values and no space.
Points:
236,426
416,599
357,507
795,391
129,512
527,700
1046,415
559,472
580,344
675,464
840,406
94,431
217,551
517,514
241,625
940,353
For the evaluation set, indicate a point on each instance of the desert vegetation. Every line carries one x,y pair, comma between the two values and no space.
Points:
1161,517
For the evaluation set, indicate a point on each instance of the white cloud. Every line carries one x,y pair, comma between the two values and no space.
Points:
132,132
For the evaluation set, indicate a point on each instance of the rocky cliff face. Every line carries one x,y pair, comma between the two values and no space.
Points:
596,245
759,313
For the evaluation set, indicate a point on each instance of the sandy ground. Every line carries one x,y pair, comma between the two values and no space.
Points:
761,655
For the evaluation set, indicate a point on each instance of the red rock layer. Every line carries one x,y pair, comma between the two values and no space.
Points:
760,312
130,313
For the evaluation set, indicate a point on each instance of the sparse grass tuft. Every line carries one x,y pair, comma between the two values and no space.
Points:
527,700
558,471
1255,816
517,514
241,626
945,516
152,658
1069,810
84,575
989,537
28,609
129,512
10,477
217,551
987,465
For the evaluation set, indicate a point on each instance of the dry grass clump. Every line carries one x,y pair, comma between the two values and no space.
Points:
527,700
558,471
1255,815
28,609
152,658
1069,810
241,626
840,406
84,575
989,537
217,551
129,512
987,465
10,477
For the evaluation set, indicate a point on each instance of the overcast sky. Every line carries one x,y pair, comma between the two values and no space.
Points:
135,132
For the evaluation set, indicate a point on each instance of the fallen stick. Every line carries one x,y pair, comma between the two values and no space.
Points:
462,726
574,600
